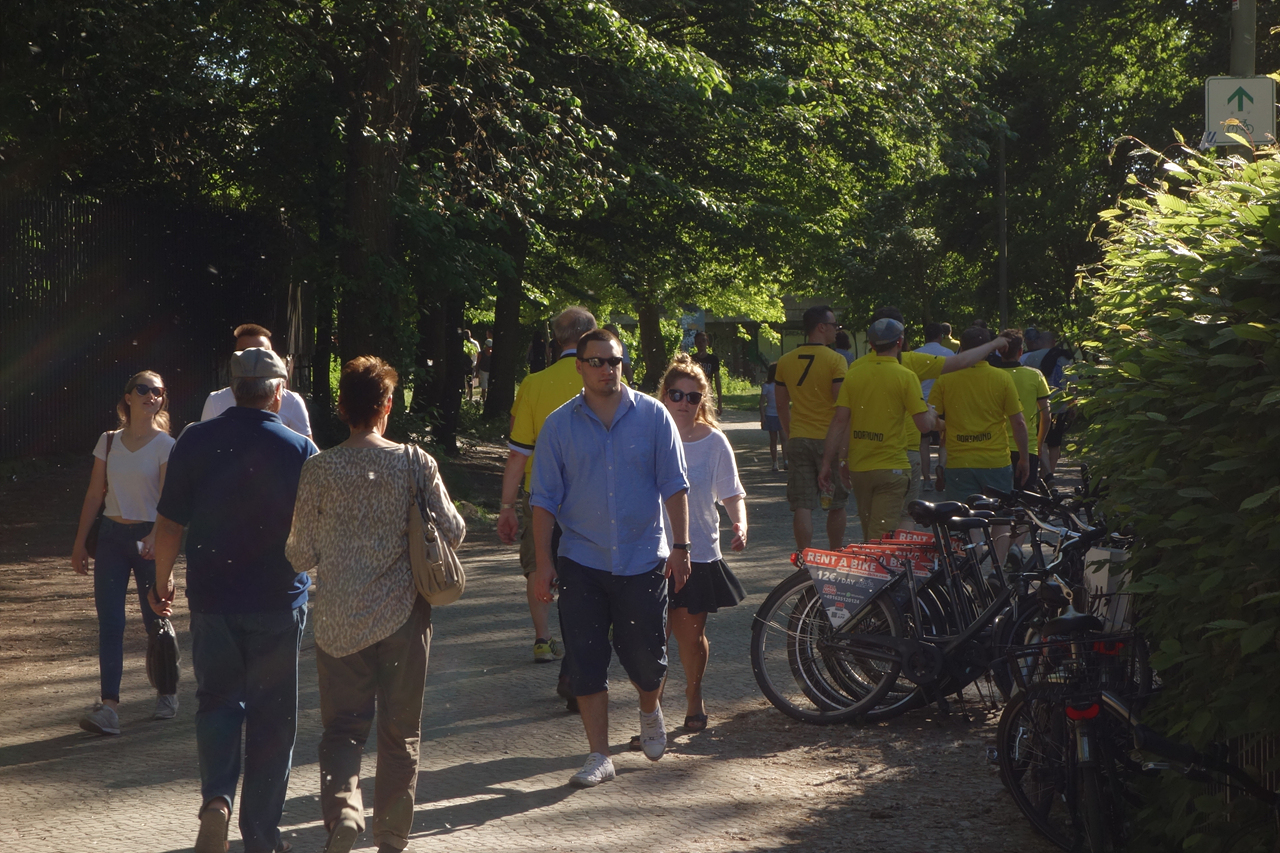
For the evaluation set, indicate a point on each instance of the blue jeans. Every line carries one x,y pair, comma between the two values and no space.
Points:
246,667
117,559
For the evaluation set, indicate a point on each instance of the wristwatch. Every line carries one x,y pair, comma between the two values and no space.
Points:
683,546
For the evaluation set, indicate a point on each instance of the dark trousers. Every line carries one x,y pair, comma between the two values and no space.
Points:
635,606
389,675
246,667
1033,472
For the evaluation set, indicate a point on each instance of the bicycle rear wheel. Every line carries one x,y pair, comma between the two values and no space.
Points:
799,671
1036,755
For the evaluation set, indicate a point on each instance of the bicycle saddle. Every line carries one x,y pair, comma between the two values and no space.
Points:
924,512
961,525
1071,622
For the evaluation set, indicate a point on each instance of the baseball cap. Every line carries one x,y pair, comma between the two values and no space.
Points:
257,363
886,330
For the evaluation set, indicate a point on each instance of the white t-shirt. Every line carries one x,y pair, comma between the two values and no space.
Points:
293,410
133,478
932,348
713,476
770,390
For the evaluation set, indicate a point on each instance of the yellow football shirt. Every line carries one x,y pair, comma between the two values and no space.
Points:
540,395
925,367
977,403
878,391
1032,388
807,373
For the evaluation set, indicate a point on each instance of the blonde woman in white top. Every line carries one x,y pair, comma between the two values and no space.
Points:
713,478
373,630
128,474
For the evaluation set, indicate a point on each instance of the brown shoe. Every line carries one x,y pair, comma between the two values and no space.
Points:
212,837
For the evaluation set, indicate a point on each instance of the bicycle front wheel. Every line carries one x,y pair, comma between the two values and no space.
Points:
799,671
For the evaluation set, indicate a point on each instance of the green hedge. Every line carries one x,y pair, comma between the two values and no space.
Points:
1183,407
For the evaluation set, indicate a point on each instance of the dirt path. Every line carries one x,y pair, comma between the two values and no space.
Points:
498,746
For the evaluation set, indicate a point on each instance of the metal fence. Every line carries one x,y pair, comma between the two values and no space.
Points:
92,291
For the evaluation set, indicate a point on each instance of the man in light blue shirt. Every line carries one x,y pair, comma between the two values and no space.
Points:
605,465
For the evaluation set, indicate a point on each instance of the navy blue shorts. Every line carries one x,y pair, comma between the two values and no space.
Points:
635,606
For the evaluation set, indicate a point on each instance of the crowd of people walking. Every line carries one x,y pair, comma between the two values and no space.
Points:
612,495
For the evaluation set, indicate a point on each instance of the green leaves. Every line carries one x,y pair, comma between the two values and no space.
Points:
1182,423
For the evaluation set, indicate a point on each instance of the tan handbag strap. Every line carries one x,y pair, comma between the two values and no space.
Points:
106,482
417,477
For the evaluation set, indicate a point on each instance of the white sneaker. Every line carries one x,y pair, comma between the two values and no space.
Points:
166,708
102,720
653,734
599,768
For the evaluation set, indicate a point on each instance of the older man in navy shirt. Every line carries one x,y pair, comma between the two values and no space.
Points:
231,483
606,463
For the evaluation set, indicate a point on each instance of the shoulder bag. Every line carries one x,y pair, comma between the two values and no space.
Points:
437,573
91,539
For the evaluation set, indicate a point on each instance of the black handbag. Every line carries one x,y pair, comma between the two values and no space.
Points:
91,539
163,657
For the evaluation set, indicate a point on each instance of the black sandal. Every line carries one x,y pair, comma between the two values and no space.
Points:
695,722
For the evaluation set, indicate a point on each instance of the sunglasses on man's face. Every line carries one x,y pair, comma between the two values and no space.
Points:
144,390
597,361
676,395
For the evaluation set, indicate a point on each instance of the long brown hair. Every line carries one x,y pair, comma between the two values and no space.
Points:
684,367
161,420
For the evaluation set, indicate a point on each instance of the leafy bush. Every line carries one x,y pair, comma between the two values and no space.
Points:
1182,407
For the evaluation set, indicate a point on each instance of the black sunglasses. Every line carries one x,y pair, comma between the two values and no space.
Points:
598,361
144,390
676,395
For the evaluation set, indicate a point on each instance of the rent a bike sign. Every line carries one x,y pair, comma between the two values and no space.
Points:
846,580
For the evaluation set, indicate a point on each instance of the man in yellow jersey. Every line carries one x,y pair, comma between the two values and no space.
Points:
806,386
928,367
540,394
875,397
976,403
1033,391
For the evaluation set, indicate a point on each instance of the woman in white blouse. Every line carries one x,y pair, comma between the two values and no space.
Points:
373,630
128,474
713,478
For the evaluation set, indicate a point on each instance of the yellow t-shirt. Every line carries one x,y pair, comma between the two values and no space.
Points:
807,373
925,367
540,395
877,391
1032,388
977,403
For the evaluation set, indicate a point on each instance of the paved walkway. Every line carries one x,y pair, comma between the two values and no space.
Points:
498,747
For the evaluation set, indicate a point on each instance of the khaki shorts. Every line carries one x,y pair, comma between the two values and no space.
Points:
804,458
528,557
879,495
913,491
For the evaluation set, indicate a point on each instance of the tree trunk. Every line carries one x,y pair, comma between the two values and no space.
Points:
375,303
652,349
507,339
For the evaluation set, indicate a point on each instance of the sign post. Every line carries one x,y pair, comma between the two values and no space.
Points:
1245,106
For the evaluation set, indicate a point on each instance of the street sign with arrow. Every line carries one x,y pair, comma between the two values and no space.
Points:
1243,106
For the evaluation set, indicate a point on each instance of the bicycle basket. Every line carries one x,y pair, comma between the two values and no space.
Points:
1111,662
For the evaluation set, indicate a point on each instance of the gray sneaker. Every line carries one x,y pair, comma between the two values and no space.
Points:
599,768
653,734
166,708
102,720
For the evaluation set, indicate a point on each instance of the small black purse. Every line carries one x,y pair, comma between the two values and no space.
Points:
163,657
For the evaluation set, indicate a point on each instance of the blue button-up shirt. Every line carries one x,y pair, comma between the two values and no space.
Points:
606,486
